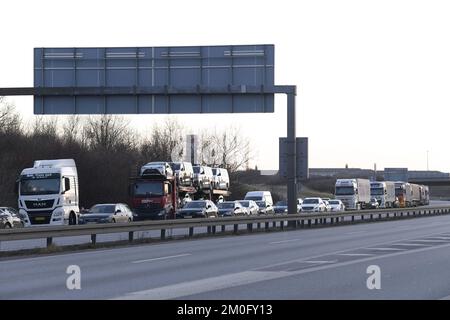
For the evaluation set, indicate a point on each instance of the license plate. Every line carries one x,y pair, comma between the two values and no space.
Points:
187,217
39,218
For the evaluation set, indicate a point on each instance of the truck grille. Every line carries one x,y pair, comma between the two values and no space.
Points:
40,217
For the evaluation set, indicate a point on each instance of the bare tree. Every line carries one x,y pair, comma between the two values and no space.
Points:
228,149
108,132
9,119
163,141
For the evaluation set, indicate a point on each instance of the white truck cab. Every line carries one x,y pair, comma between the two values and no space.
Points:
384,192
48,193
354,193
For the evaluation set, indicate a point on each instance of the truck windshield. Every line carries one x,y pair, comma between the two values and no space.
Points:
311,201
40,184
281,204
345,191
196,169
148,188
399,191
253,198
377,191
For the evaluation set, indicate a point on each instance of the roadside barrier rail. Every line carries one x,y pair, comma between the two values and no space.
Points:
267,222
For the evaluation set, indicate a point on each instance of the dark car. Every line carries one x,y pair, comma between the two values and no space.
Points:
373,204
231,208
107,213
281,207
198,209
9,218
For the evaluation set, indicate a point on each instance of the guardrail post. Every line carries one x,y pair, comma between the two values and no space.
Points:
208,229
362,217
282,224
309,223
130,236
379,216
316,221
249,227
49,242
191,231
223,228
387,215
213,229
267,226
331,220
163,234
302,223
235,229
93,239
258,225
274,224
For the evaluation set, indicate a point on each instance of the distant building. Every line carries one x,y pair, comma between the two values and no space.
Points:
389,174
395,174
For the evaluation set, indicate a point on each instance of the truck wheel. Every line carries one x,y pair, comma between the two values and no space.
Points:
72,219
7,226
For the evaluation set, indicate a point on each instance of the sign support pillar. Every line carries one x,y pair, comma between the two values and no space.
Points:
291,154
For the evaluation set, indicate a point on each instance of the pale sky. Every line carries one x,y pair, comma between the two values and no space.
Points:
373,77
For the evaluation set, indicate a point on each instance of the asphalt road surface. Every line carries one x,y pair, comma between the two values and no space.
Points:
413,257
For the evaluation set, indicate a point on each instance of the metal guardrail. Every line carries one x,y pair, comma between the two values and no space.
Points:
300,220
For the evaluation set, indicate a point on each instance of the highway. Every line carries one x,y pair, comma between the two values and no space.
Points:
102,238
328,263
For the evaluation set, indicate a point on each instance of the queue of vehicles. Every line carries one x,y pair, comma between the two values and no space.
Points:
48,194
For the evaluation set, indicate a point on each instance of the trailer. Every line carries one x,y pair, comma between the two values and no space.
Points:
157,196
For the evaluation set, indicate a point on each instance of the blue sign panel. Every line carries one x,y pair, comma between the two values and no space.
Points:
142,69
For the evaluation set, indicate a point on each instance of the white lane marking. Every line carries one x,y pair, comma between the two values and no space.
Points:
247,277
440,238
385,249
318,261
162,258
412,244
356,232
356,254
284,241
203,285
425,240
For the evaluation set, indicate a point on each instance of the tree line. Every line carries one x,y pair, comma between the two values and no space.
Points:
107,151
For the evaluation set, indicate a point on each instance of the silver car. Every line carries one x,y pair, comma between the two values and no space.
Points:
9,218
157,168
107,213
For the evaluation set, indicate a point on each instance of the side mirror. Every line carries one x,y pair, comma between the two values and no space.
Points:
208,206
66,185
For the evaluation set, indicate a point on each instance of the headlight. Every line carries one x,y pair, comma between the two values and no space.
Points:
57,213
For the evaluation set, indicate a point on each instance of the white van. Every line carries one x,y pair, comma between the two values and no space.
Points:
260,196
221,178
184,172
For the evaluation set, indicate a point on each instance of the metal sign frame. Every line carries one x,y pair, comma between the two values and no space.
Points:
289,90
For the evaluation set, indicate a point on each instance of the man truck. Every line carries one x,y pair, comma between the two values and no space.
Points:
48,193
354,193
